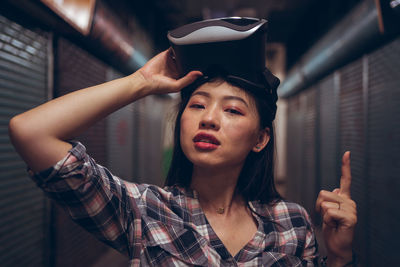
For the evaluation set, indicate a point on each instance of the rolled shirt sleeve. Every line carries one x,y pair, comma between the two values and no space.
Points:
100,202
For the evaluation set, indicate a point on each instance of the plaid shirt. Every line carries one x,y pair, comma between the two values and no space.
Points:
156,226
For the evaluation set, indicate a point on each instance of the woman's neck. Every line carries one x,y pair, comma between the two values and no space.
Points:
216,189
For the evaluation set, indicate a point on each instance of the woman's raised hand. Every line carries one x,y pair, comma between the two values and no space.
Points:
339,216
39,129
161,76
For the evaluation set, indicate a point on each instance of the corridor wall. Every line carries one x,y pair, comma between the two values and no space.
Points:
356,108
75,69
23,85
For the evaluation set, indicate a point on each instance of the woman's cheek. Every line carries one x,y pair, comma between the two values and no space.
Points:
243,132
185,128
240,128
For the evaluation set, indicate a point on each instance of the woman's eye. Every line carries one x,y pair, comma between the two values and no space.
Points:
196,106
234,111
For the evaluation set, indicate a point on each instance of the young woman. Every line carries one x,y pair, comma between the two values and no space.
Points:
219,208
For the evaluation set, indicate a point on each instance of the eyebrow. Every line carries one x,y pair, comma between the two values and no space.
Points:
227,97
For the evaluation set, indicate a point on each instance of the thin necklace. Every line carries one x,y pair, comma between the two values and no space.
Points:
221,210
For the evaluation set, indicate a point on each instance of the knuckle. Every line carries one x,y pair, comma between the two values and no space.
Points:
325,205
336,190
323,193
330,212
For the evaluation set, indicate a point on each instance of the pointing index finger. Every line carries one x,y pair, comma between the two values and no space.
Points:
345,180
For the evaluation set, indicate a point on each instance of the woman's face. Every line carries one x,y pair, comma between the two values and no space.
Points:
220,126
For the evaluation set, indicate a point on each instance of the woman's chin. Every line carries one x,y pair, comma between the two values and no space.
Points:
208,164
213,164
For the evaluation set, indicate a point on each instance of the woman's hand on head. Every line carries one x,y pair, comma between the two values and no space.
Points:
339,214
161,75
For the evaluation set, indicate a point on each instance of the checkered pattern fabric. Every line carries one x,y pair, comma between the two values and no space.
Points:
156,226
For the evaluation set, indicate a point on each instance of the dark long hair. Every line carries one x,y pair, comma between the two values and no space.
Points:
256,180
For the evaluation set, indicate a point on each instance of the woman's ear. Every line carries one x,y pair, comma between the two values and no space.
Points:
262,141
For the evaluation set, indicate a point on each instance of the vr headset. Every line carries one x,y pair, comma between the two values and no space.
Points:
234,46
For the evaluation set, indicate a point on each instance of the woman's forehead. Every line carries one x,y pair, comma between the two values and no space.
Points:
222,88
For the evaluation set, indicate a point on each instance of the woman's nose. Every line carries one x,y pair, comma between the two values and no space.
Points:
209,120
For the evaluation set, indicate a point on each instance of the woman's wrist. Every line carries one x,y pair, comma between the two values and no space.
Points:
139,85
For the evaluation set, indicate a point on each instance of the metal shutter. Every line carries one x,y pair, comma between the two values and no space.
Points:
23,85
352,137
384,154
77,69
328,125
156,111
120,135
359,110
148,121
138,149
309,179
301,149
294,149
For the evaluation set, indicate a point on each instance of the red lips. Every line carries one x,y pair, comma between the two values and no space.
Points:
205,141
